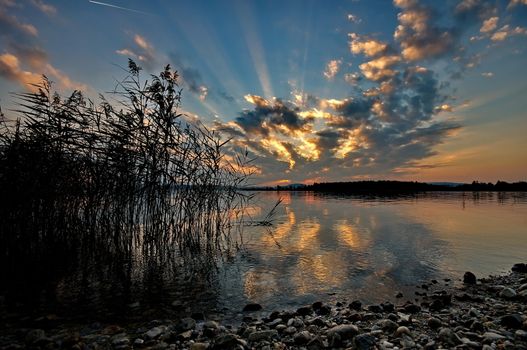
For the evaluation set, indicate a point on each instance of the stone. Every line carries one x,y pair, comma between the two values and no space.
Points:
316,344
411,308
469,278
491,336
295,322
375,309
302,338
523,287
323,310
388,325
198,316
34,335
252,307
434,323
402,330
508,293
199,346
520,335
520,267
512,321
355,305
364,342
345,331
399,295
186,324
262,335
290,330
225,342
388,307
449,337
154,332
304,310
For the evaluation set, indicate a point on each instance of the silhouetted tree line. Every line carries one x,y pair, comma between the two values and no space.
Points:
395,187
123,178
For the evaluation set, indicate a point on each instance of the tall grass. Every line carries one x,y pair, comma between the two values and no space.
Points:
130,176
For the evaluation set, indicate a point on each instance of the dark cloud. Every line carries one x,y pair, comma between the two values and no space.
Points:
270,116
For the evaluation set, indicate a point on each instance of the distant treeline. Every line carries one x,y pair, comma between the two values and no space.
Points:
383,186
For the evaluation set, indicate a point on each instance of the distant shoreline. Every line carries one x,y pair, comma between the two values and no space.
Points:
396,187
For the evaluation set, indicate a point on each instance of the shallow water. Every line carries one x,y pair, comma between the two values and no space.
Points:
320,247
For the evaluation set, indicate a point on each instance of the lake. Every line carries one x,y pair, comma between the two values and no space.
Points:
320,247
330,247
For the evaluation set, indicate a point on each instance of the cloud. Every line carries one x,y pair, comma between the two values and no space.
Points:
368,47
513,3
44,7
418,35
489,25
11,25
332,68
10,69
354,18
487,74
142,51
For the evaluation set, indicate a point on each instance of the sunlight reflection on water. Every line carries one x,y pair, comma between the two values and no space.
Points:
351,247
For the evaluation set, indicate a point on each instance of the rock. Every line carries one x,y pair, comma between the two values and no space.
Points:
120,340
399,295
469,278
199,346
449,337
364,342
375,309
345,331
290,330
154,332
186,324
434,323
436,305
323,310
316,344
521,335
138,342
252,307
34,336
225,342
508,293
211,329
402,330
512,321
388,325
295,322
111,330
388,307
520,267
411,308
263,335
302,338
355,305
304,310
523,287
491,336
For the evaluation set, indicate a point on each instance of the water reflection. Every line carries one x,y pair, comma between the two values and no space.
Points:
350,247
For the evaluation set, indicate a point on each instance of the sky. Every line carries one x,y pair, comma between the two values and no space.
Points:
313,90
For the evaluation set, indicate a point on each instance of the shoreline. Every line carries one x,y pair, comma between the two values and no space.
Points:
485,313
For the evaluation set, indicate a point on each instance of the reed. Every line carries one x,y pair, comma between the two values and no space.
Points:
129,177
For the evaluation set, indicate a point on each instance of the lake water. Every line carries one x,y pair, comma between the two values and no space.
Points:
321,247
327,247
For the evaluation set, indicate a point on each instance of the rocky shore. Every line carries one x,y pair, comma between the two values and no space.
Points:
487,313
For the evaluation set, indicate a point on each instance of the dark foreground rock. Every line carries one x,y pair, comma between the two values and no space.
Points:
489,314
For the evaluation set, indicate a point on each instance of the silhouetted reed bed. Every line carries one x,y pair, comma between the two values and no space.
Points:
85,184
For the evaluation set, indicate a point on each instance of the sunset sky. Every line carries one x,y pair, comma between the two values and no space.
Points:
315,90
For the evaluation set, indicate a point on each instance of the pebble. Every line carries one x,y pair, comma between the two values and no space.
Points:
508,293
